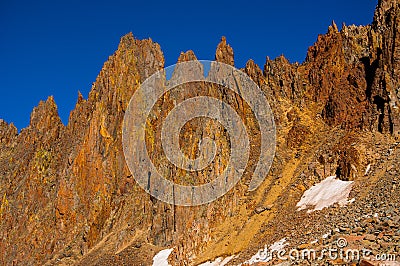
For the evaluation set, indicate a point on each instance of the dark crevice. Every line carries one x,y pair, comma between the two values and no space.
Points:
370,72
292,86
380,105
393,48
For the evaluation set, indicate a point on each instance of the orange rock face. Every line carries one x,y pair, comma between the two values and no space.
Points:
68,196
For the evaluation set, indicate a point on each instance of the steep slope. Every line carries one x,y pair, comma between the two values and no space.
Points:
69,198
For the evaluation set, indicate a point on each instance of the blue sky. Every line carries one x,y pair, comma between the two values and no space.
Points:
57,48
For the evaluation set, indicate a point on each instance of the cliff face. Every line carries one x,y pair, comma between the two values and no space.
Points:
68,196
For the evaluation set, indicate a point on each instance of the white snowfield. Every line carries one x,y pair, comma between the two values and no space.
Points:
161,258
325,194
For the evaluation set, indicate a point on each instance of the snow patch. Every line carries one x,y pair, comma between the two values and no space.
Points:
265,255
324,236
367,170
161,258
279,245
218,262
325,194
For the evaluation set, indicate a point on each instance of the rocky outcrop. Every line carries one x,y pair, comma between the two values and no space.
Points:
383,87
224,53
7,132
69,198
353,73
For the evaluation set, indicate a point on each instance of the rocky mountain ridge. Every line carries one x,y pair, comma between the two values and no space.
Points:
69,198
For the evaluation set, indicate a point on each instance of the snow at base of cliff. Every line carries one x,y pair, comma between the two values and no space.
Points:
325,194
161,258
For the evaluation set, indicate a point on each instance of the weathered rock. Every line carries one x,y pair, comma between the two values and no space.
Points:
297,135
224,53
67,196
7,132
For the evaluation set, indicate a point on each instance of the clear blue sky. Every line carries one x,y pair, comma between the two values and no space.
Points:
57,48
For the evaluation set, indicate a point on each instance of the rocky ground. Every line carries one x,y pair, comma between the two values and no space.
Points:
68,197
370,223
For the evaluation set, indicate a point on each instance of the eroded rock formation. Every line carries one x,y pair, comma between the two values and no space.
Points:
69,198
